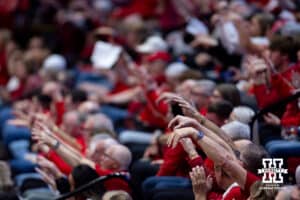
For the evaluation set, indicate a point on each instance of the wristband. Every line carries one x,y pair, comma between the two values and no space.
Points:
200,135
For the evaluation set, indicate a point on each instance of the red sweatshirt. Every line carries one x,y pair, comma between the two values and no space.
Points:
280,87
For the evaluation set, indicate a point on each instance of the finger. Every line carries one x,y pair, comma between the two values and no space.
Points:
191,175
183,105
202,173
170,138
169,101
175,140
209,179
173,122
179,126
161,98
266,117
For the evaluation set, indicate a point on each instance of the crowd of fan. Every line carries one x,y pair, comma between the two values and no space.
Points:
162,92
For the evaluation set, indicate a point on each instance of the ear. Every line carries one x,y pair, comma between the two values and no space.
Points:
116,166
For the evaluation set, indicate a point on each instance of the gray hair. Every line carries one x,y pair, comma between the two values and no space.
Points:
123,155
101,124
206,85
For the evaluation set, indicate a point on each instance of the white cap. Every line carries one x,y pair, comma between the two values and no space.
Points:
175,69
105,55
152,44
243,114
237,130
55,62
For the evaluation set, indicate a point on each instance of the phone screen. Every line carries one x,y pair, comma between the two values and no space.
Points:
176,110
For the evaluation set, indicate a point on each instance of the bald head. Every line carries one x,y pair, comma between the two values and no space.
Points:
122,154
97,148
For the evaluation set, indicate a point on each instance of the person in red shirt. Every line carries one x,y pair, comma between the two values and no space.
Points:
273,76
116,158
228,171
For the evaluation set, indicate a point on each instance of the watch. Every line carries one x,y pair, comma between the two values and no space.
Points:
56,146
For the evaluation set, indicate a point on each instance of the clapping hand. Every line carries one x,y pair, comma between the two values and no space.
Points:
201,184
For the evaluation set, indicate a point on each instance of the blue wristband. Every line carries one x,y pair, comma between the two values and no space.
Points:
200,135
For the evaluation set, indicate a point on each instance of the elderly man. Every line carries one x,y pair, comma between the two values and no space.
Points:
116,158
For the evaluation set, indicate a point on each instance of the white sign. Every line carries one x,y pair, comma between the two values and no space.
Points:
272,170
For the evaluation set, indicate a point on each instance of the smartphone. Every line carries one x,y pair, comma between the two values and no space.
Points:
176,109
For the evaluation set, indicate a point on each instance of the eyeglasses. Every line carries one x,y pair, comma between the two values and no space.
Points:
196,93
110,157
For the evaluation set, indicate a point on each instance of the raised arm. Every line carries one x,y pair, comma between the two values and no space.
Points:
213,150
43,135
182,121
189,110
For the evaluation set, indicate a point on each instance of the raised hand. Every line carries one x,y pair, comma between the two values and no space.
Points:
168,97
182,121
201,184
187,108
49,179
45,121
258,69
43,135
178,134
49,167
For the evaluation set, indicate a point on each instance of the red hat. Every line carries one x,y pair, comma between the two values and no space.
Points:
161,55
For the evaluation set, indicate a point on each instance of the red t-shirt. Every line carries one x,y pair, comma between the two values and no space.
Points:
250,180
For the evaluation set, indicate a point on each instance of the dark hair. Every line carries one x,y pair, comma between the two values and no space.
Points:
286,45
78,96
229,92
221,108
44,100
252,157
